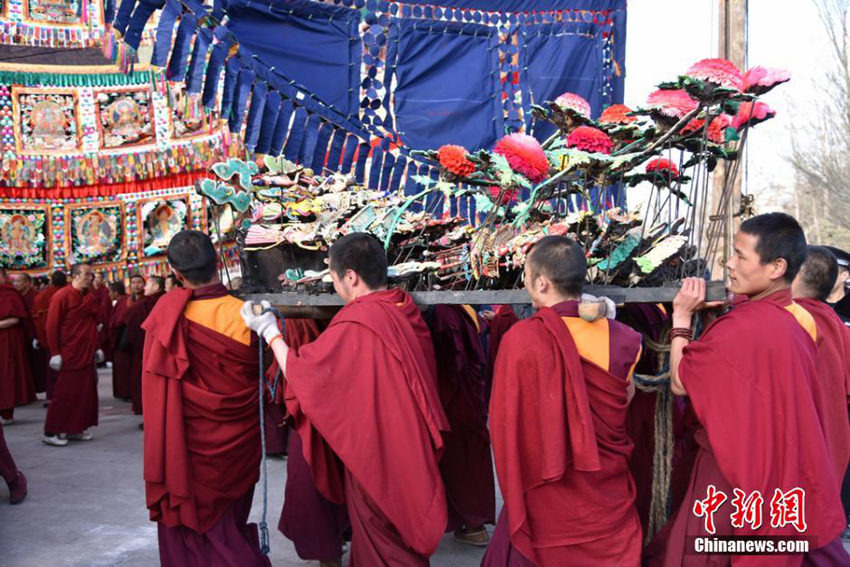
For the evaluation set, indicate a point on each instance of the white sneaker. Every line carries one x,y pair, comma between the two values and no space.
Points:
55,440
6,421
84,436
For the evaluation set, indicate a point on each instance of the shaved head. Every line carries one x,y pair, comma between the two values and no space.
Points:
817,275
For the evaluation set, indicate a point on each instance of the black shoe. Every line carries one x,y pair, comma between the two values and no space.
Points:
141,426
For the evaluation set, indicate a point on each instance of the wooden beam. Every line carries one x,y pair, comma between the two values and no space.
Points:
320,305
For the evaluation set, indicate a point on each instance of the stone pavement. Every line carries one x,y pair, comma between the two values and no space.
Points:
86,501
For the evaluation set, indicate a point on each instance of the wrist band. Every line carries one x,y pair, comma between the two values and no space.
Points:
680,332
274,338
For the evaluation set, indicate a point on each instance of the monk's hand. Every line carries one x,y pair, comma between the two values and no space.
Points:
56,362
265,324
35,344
689,300
98,356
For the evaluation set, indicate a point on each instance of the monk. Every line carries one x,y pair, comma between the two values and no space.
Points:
839,298
100,289
16,387
376,355
750,378
23,283
58,280
466,466
14,478
499,322
122,358
811,289
312,522
557,421
171,282
72,321
136,315
202,425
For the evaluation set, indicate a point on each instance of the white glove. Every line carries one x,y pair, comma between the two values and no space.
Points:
35,344
264,325
56,362
98,356
607,309
99,327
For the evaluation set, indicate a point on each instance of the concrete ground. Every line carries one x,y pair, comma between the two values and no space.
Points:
86,501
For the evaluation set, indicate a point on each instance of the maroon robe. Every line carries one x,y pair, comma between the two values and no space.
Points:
466,466
37,357
749,379
557,422
72,333
832,387
39,318
122,358
376,355
312,522
8,468
136,315
101,297
16,387
202,434
504,318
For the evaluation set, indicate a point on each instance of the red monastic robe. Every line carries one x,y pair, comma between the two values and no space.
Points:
202,428
749,379
832,387
314,524
376,355
466,465
39,319
101,296
504,318
136,315
37,357
557,422
72,333
16,386
122,358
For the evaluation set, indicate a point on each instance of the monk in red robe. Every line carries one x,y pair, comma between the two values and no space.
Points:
376,356
14,478
16,387
750,378
74,351
499,322
58,280
314,524
121,356
122,364
466,465
811,289
136,315
100,290
24,284
202,425
557,423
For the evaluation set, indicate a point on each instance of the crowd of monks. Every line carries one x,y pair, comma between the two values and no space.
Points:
397,422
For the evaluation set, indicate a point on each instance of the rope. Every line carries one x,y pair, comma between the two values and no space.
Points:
662,458
264,473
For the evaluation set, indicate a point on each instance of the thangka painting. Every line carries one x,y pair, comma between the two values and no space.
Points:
58,12
24,242
159,220
188,116
125,118
46,120
95,232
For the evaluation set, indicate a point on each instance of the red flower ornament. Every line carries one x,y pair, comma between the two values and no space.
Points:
675,103
589,139
453,159
525,155
616,114
574,102
752,113
718,71
759,80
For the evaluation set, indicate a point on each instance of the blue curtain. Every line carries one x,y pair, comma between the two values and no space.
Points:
312,44
554,61
447,83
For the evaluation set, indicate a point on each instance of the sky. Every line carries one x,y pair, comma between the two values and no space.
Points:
664,37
